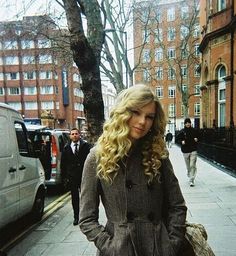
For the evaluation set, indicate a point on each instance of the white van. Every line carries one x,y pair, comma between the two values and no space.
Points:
49,144
22,179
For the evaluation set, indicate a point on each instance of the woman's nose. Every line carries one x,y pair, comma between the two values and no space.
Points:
141,119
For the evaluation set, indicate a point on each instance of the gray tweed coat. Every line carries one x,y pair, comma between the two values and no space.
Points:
134,210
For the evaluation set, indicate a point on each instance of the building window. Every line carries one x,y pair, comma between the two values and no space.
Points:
197,70
171,91
16,105
47,105
146,75
31,105
197,109
184,32
221,5
171,34
77,78
146,56
158,35
171,74
171,110
48,89
11,60
45,75
28,59
158,16
159,73
27,44
1,76
79,106
196,50
159,91
30,90
10,45
14,91
171,14
184,53
158,54
184,88
146,36
184,71
44,59
196,31
78,92
44,43
197,90
2,92
29,75
171,53
145,16
13,76
184,12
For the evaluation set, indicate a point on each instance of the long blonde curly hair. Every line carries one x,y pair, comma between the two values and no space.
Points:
114,143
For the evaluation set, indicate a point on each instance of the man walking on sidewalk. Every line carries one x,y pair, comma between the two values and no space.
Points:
72,162
188,137
169,138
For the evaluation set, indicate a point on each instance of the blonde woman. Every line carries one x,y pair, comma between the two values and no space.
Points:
129,171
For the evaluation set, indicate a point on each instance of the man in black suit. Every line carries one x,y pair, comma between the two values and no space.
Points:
72,162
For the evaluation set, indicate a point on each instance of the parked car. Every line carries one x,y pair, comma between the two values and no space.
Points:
48,145
22,180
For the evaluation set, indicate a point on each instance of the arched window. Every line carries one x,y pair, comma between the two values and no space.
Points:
221,73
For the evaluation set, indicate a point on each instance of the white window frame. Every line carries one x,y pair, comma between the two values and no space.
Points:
44,43
184,71
2,91
159,92
171,14
184,32
197,90
14,91
47,105
171,34
29,75
16,105
184,12
10,45
159,73
146,56
27,44
146,75
146,36
30,90
221,5
11,60
31,105
45,74
28,59
171,91
197,109
171,74
171,53
158,54
171,110
46,89
158,35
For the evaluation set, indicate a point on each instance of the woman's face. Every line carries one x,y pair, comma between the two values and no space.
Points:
141,121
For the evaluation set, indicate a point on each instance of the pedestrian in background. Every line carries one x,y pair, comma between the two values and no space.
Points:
72,163
188,137
130,172
169,138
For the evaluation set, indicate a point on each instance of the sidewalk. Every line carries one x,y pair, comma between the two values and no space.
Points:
212,202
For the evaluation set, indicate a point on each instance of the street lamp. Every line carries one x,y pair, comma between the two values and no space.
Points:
126,50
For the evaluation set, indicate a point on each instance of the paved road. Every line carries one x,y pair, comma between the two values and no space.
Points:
211,202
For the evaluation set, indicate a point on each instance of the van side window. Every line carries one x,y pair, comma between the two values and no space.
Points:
22,139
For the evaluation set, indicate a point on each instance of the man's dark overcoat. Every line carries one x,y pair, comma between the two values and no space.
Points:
134,210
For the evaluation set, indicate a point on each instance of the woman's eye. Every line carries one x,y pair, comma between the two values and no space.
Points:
150,117
135,112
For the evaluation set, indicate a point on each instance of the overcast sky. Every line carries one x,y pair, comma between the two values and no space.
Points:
16,9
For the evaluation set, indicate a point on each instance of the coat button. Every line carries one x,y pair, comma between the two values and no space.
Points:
129,184
151,216
130,216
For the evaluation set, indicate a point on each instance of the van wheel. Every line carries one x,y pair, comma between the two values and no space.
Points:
38,208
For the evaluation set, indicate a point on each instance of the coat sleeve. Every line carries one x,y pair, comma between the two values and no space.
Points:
89,206
174,206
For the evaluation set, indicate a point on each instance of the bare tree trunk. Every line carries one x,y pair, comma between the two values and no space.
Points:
86,52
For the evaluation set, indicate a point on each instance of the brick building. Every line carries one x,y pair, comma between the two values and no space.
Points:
166,54
218,66
37,74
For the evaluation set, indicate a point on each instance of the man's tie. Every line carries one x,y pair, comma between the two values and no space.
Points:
76,149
